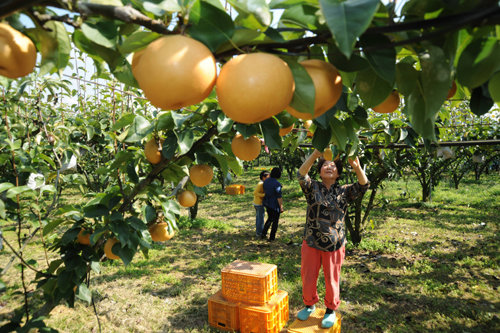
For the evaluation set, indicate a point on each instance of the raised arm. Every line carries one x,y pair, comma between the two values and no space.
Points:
356,166
306,166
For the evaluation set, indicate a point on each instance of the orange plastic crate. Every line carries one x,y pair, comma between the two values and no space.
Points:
235,189
223,314
249,282
270,317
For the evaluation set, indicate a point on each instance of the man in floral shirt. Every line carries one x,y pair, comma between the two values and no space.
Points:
324,233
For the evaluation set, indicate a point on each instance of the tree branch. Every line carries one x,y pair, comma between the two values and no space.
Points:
127,202
9,7
24,261
44,18
126,14
456,20
483,16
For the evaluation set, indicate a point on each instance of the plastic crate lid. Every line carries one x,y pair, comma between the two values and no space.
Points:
249,268
273,302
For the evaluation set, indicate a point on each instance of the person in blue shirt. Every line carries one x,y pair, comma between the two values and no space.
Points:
273,203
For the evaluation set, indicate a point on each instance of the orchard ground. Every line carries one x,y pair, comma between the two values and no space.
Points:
422,267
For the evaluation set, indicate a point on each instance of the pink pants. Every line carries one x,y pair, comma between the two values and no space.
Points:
312,260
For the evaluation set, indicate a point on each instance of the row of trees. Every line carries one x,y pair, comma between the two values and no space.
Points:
47,148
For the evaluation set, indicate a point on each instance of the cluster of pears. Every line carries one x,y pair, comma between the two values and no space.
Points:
250,87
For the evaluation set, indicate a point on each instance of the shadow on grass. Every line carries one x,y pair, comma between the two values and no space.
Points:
388,296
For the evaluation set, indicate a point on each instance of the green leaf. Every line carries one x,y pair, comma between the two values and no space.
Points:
343,63
137,223
120,159
339,133
420,7
5,186
223,165
170,145
285,119
118,65
2,209
323,121
321,138
103,33
185,140
149,213
235,165
122,70
125,120
54,44
126,254
160,8
69,236
249,21
13,192
139,129
209,25
247,130
165,122
302,15
132,174
170,209
48,160
406,78
372,89
84,293
49,227
90,132
271,129
97,235
347,20
382,60
224,124
94,265
303,97
478,62
480,100
361,117
242,36
426,99
137,41
257,8
95,210
179,118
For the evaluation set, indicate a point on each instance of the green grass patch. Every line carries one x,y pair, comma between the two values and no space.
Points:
420,267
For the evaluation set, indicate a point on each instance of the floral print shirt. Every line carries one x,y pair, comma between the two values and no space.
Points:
326,210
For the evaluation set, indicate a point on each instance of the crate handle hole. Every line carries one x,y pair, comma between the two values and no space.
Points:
222,324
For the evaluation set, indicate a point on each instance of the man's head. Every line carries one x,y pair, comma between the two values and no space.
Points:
276,173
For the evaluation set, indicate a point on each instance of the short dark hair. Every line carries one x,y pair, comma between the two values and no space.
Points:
263,174
338,164
276,173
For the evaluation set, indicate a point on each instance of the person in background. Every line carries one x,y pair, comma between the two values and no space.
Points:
324,233
258,196
273,203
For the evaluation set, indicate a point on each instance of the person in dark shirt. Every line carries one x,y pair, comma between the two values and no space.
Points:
324,233
273,203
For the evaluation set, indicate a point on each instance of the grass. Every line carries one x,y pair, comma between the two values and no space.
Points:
422,267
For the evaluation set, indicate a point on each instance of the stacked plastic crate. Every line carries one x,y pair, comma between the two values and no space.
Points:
235,189
249,300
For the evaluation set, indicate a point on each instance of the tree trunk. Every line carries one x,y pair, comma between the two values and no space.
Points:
355,235
426,191
193,211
